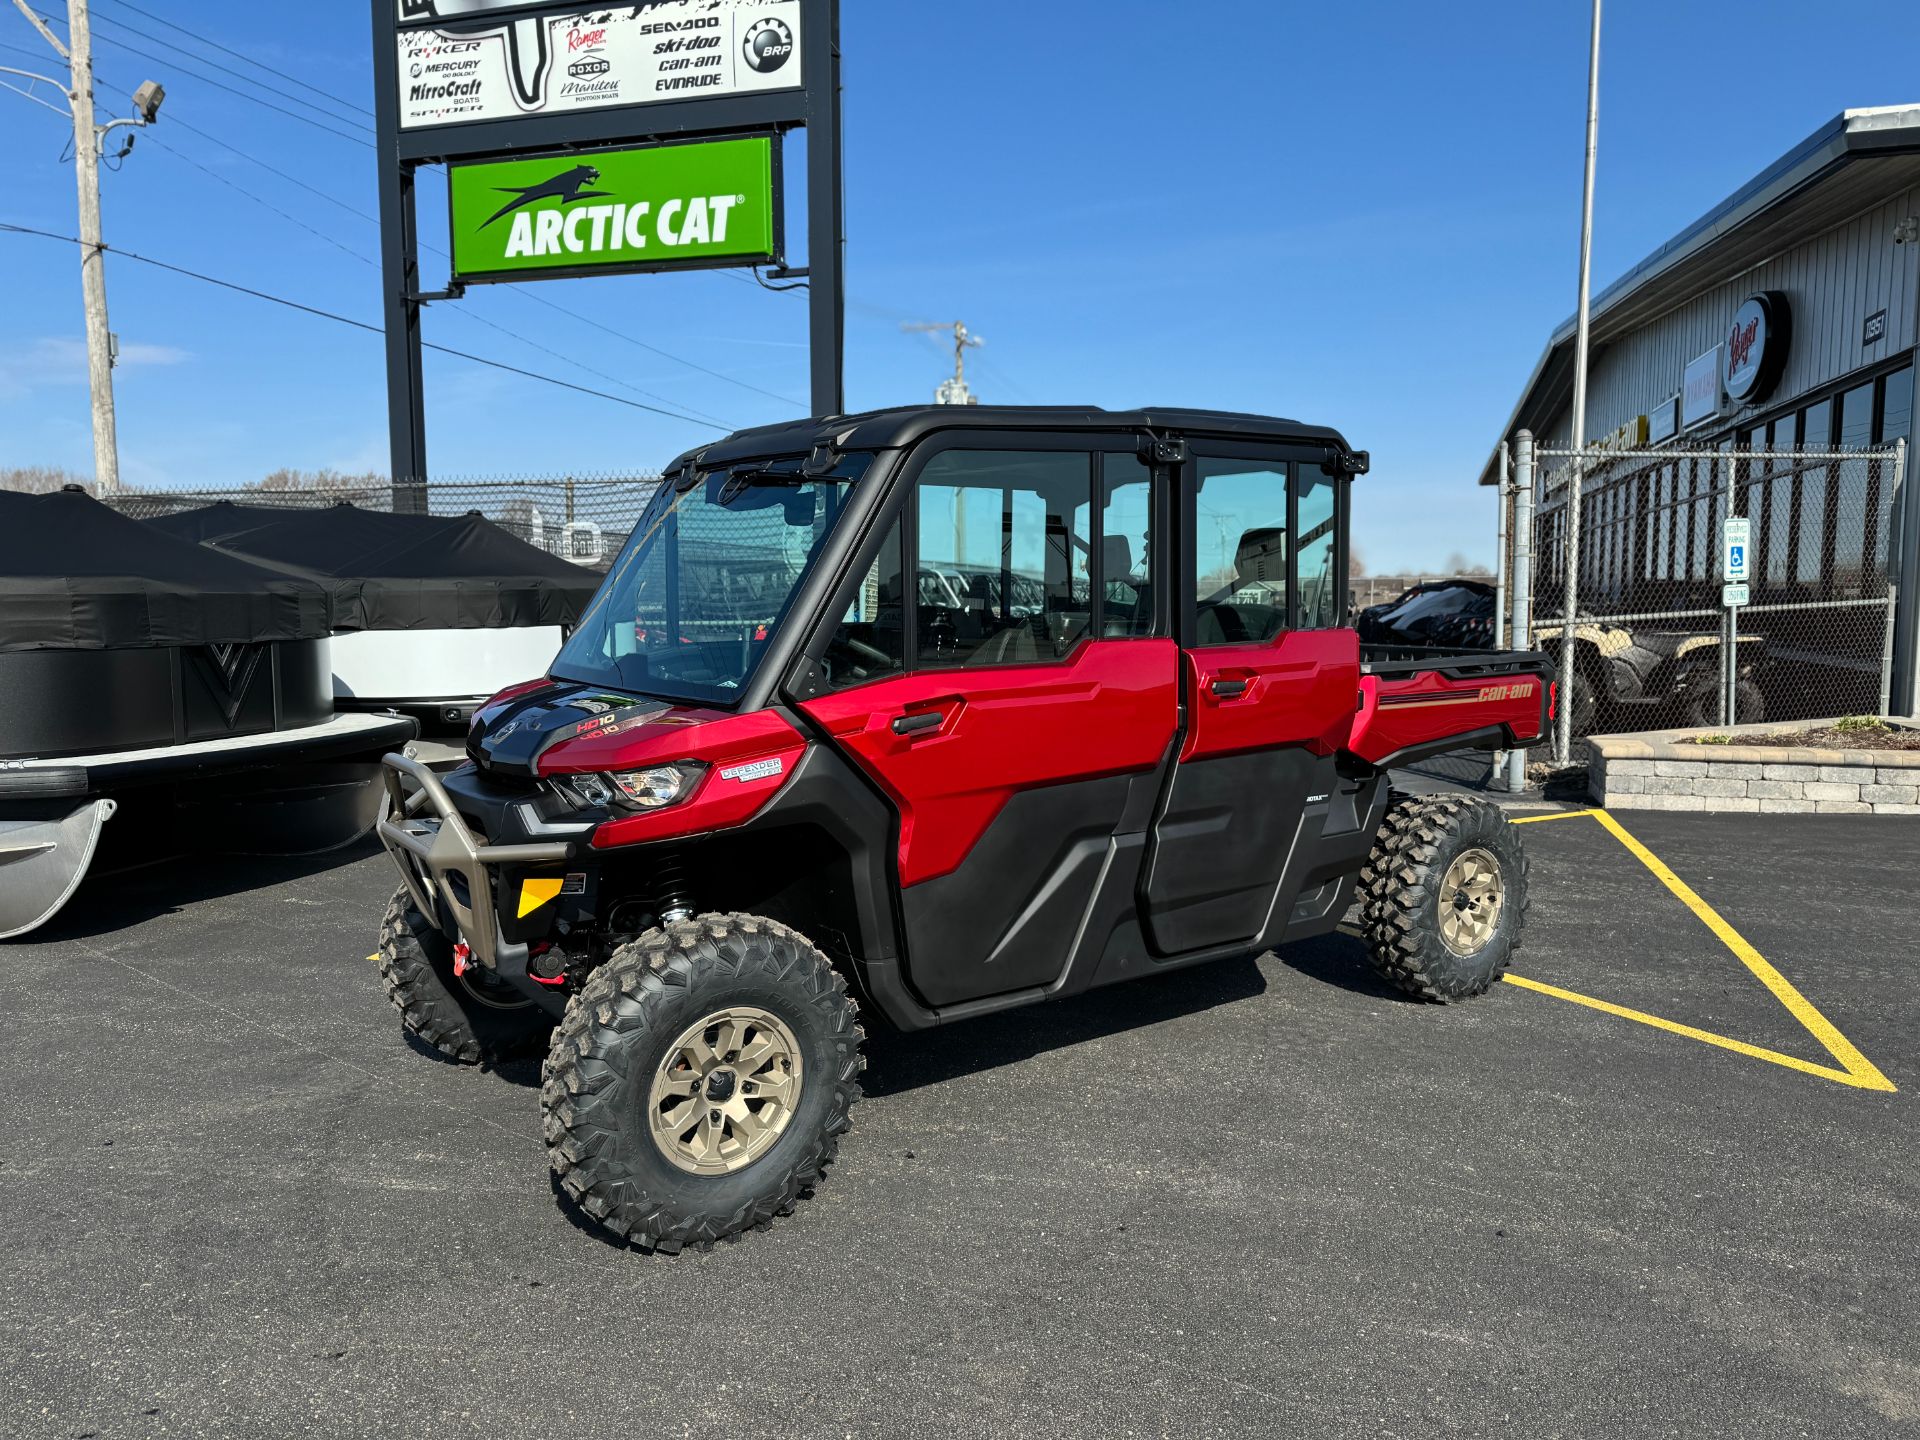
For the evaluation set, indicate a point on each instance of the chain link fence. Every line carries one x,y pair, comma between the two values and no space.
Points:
582,518
1654,644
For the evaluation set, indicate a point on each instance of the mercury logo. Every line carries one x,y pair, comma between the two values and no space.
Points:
768,43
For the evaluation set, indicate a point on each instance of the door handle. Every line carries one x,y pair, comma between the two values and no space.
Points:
919,720
1228,689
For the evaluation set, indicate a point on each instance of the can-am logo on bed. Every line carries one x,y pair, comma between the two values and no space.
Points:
657,207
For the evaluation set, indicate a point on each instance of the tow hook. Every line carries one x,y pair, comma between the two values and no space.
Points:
462,958
543,953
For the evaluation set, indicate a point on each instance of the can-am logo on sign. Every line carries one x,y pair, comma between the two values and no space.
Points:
1756,348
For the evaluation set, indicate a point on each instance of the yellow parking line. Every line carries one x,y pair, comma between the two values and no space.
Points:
1856,1069
1557,815
1792,1062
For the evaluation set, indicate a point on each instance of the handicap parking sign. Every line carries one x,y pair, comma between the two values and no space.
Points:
1736,538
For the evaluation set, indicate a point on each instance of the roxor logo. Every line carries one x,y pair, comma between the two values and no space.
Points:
582,68
768,43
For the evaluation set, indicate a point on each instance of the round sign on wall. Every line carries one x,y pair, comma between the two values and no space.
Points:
1756,349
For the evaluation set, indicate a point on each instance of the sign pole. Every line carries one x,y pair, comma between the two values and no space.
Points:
399,282
826,238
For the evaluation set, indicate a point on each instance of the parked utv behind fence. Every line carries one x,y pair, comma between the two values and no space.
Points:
914,716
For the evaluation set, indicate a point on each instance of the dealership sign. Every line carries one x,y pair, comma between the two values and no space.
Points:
1757,347
484,60
657,207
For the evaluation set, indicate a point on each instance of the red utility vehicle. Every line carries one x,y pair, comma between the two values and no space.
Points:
949,709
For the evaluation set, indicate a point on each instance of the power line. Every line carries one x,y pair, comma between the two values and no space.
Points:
215,44
356,324
517,289
255,99
240,75
465,314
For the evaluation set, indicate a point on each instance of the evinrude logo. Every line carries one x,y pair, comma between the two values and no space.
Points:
768,43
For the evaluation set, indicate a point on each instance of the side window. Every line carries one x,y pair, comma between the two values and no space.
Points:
1002,558
1240,551
1126,546
1315,586
869,643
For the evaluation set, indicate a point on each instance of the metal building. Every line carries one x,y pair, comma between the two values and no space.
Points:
1784,321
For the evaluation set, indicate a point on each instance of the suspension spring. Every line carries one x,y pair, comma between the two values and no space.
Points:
670,889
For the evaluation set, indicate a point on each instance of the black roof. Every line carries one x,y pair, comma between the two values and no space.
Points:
384,571
78,575
904,424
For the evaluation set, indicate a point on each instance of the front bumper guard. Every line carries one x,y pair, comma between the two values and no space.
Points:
430,842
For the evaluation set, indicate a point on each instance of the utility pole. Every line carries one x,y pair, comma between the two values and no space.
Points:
87,140
954,391
93,264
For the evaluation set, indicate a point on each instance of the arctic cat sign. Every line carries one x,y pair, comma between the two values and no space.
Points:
658,207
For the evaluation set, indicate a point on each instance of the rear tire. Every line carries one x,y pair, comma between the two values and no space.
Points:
701,1081
470,1020
1444,896
1703,707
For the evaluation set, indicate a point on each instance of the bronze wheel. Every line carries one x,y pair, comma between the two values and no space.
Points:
725,1090
1471,894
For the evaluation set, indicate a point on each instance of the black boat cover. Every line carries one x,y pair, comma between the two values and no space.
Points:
399,572
78,575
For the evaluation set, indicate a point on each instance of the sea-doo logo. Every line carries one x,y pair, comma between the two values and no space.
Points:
580,69
768,43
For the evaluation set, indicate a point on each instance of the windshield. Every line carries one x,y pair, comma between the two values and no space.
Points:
706,579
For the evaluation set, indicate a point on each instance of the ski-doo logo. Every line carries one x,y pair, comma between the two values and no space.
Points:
768,43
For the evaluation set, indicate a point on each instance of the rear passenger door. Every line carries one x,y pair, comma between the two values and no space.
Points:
1269,686
1028,713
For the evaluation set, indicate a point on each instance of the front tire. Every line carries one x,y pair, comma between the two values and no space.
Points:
470,1018
1444,896
701,1081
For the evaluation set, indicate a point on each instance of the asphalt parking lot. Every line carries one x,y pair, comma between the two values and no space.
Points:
1263,1198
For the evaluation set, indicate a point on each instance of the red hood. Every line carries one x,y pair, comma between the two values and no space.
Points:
555,727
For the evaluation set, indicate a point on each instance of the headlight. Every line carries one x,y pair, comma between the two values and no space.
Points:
651,789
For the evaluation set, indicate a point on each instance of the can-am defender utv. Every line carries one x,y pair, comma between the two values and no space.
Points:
950,710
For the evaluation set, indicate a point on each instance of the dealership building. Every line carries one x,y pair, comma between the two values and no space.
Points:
1783,322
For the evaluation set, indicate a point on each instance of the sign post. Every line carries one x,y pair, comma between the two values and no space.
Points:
1736,552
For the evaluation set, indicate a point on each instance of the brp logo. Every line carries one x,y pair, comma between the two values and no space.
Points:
768,43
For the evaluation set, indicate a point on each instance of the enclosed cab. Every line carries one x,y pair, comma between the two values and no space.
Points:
961,708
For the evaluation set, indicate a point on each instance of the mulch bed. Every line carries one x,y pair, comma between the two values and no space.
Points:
1883,738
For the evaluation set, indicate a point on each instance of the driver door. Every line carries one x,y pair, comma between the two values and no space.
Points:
1026,717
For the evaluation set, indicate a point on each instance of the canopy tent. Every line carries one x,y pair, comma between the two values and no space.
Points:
77,575
398,572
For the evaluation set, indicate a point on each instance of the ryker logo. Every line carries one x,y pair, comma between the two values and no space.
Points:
768,43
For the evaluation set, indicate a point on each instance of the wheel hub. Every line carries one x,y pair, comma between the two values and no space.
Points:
1471,894
725,1090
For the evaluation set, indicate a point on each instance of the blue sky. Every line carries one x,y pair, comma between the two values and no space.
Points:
1362,215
